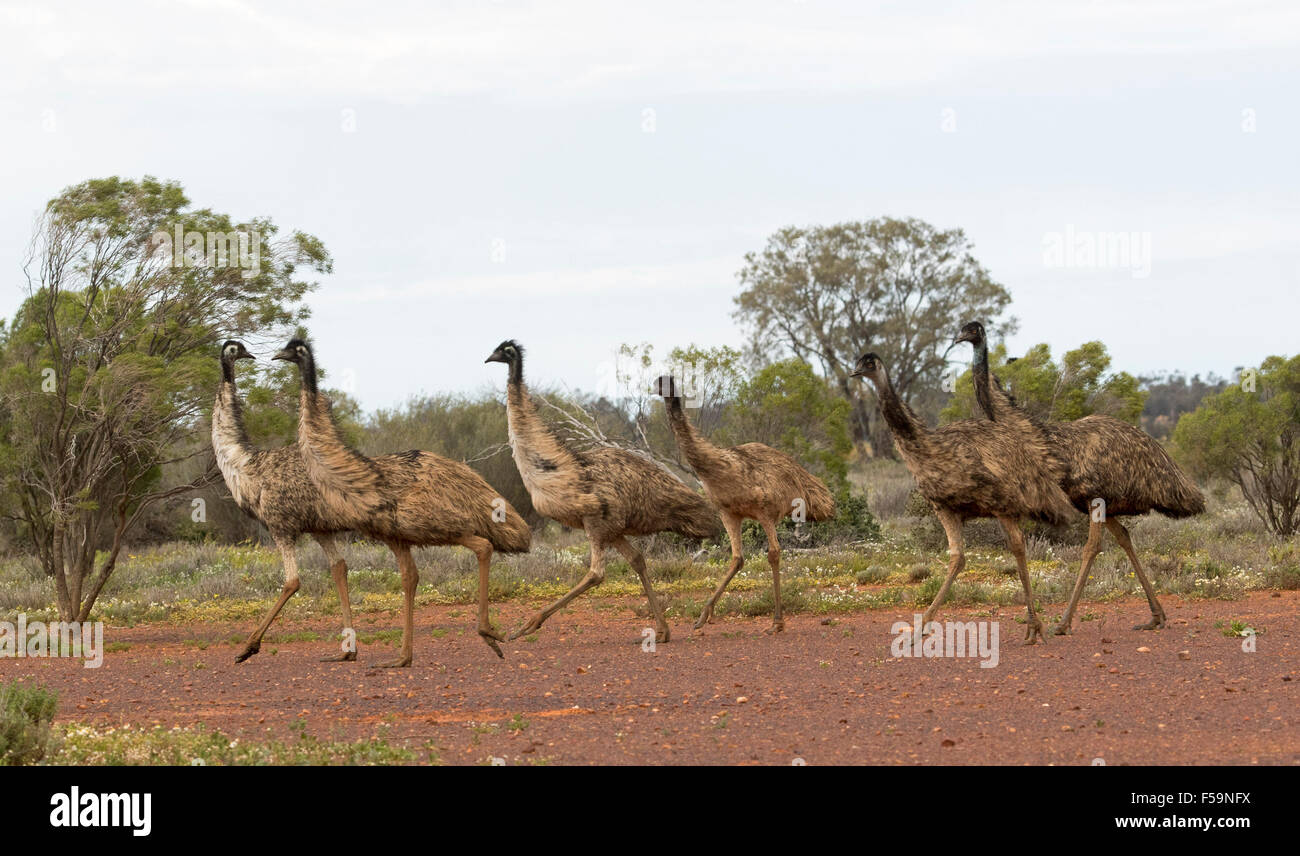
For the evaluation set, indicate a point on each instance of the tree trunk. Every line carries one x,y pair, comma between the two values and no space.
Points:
66,611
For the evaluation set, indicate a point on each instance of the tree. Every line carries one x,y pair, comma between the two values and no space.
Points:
898,287
1079,386
1250,434
110,363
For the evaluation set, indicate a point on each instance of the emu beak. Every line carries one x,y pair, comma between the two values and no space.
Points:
283,354
495,357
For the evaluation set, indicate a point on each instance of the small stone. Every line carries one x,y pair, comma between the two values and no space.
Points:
742,699
1144,650
1184,655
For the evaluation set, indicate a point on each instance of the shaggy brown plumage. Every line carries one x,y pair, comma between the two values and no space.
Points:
410,499
967,469
1105,459
750,481
609,493
272,486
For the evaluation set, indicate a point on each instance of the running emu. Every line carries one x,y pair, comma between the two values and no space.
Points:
1113,470
609,493
966,471
751,481
272,486
411,499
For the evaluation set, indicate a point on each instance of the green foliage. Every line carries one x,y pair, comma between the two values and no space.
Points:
1251,437
788,407
110,363
1078,386
26,713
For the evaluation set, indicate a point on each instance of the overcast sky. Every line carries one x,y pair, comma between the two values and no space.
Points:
580,174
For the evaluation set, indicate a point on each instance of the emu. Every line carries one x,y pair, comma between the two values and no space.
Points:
411,499
1106,459
967,471
751,481
610,494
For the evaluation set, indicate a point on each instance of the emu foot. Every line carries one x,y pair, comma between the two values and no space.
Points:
531,627
345,657
249,650
706,617
663,634
492,637
1062,629
777,627
400,663
1157,621
1034,632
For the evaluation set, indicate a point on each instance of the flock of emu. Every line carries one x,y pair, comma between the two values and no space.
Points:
1007,465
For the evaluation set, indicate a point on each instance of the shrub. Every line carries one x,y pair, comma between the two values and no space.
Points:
26,714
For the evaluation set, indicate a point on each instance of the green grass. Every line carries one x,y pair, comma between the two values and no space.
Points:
1222,554
84,745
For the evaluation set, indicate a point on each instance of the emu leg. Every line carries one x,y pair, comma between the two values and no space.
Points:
339,570
956,561
410,579
1090,551
637,561
594,577
732,524
254,643
1016,541
482,549
774,559
1157,611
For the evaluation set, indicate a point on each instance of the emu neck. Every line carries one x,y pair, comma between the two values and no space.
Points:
230,442
694,447
227,370
980,379
308,371
900,418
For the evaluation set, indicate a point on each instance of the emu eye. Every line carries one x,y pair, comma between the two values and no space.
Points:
301,349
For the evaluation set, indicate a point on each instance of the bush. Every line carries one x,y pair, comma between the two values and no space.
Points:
853,521
1249,434
25,717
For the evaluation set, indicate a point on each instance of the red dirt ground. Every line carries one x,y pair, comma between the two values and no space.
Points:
823,693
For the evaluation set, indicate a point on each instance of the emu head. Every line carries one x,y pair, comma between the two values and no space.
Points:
509,352
667,386
870,367
972,332
232,350
297,351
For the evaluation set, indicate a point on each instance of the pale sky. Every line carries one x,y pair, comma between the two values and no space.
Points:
580,174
